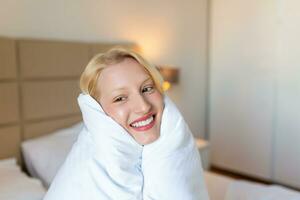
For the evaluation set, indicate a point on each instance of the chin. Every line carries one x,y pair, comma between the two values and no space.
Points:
148,139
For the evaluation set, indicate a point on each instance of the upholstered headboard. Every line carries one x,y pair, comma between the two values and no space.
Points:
39,87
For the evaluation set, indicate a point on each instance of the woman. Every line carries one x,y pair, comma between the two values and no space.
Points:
129,91
135,144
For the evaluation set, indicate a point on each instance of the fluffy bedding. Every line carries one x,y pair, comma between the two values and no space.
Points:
107,163
15,185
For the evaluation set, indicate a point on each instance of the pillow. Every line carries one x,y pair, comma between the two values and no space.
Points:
15,185
44,155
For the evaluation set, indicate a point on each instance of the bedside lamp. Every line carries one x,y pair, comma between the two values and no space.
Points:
170,76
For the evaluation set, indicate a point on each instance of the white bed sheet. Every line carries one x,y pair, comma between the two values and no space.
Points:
16,185
217,185
245,190
222,187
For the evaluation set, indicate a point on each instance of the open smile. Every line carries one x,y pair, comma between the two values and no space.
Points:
144,123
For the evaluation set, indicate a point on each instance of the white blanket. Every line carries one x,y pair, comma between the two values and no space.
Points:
107,163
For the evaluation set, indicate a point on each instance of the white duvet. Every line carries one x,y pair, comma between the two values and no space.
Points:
107,163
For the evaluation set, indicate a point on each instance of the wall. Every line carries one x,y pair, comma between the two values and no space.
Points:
242,52
255,88
171,32
287,127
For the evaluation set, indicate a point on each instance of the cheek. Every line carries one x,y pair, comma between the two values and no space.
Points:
120,115
158,101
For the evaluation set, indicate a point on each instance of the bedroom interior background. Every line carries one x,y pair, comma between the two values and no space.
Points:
39,87
173,33
171,37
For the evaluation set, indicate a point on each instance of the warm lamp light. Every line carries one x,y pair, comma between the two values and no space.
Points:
166,85
170,76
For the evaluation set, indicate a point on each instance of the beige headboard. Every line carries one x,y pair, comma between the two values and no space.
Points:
39,87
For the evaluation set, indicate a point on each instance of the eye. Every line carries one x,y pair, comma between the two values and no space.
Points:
119,99
148,89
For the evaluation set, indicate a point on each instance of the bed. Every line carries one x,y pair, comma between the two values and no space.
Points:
220,187
40,119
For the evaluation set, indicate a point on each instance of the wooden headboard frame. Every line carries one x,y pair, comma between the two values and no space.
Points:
39,87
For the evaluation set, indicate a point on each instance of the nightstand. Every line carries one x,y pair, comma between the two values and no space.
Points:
203,147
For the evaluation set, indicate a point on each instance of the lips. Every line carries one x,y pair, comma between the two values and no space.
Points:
144,123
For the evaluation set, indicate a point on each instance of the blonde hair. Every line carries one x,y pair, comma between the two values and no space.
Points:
89,77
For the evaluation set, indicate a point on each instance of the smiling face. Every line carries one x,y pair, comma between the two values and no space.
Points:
129,96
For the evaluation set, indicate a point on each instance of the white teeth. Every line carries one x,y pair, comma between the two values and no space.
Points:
143,123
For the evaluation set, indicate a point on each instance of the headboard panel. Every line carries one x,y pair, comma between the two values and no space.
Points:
39,87
9,102
8,67
48,99
10,134
52,59
35,129
10,140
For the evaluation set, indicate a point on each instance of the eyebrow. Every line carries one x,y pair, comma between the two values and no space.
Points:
123,88
149,78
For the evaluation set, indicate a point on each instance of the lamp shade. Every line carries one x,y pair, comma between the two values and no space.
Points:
169,74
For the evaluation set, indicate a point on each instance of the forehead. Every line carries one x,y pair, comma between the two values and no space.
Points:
122,75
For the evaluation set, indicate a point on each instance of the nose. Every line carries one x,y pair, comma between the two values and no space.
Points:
141,105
